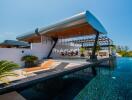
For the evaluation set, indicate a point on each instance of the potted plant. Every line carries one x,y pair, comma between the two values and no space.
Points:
29,60
82,50
98,48
5,70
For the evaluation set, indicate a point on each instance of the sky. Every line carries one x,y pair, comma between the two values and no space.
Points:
21,16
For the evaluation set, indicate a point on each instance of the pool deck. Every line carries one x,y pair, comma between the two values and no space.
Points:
12,96
63,69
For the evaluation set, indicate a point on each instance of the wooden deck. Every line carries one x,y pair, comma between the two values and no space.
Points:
61,70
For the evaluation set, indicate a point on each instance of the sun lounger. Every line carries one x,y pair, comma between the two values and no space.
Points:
46,65
60,66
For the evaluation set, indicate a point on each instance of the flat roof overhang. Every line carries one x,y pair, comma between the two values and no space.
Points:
79,25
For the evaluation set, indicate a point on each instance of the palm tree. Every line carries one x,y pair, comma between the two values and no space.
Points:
5,70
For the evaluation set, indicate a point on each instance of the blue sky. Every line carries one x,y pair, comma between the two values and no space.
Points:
20,16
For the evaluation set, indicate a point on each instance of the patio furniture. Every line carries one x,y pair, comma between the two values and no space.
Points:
46,65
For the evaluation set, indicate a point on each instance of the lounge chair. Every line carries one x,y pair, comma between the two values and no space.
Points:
46,65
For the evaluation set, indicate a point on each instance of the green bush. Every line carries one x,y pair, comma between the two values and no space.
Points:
29,60
82,50
125,53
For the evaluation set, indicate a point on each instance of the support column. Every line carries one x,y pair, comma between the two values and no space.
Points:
55,42
93,56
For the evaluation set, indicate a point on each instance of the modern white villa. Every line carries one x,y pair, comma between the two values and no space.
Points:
53,40
70,45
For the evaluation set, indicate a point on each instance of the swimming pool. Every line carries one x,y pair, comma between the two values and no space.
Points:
110,84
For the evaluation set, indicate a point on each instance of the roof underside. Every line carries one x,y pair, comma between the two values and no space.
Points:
78,25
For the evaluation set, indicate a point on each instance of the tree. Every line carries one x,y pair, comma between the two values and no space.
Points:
118,48
126,48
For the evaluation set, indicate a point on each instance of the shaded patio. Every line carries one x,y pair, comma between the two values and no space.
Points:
86,42
83,24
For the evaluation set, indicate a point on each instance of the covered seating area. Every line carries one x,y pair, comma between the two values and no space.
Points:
80,25
72,33
104,46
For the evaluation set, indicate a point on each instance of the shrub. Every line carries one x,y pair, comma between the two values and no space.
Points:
125,53
29,60
82,50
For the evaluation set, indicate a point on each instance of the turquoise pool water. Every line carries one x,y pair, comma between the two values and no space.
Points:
110,84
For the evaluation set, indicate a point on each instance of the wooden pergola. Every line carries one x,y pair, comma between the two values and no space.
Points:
103,41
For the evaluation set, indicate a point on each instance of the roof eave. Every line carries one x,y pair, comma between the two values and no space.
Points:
95,23
44,30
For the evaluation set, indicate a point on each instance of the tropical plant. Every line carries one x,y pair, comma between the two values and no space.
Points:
98,48
113,47
29,60
122,48
82,50
6,68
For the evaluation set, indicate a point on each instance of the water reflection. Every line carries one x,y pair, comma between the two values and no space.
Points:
110,84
